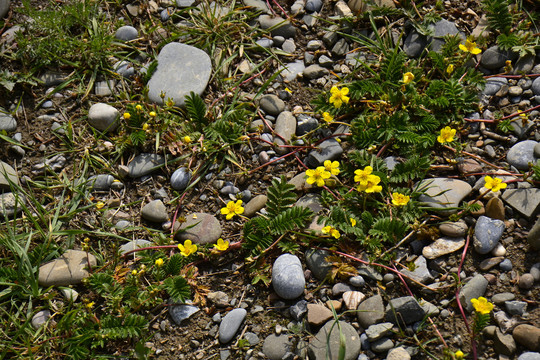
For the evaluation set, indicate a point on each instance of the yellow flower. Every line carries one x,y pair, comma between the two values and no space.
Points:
317,175
362,175
221,245
138,107
145,126
408,77
459,355
159,262
332,231
127,115
400,199
90,305
339,96
327,117
371,185
447,135
100,205
508,67
170,102
152,114
450,69
332,166
481,305
288,90
353,222
495,184
232,209
470,47
134,272
188,248
186,139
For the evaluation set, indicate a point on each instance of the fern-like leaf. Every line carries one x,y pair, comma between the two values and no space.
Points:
196,108
388,229
174,265
498,15
280,197
290,219
117,328
414,168
178,288
257,235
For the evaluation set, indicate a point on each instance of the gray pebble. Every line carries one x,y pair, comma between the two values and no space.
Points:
126,33
230,324
506,265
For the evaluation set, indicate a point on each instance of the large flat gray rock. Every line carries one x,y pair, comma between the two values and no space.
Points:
443,194
525,201
181,69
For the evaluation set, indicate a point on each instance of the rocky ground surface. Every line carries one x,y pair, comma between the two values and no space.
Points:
380,315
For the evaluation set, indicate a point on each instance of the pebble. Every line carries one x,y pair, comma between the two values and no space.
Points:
382,345
377,331
278,25
8,176
505,265
525,201
473,289
181,69
357,281
444,193
254,205
504,344
201,228
126,33
443,246
493,85
499,299
298,310
487,233
454,229
521,154
315,72
316,262
134,244
4,7
100,182
40,318
528,336
495,209
318,314
68,269
285,128
494,58
313,6
370,311
340,288
515,307
182,312
404,309
305,124
180,179
398,353
271,104
529,356
327,341
421,272
230,324
103,117
289,46
275,347
352,299
218,298
145,164
290,72
526,281
535,271
155,211
327,150
288,277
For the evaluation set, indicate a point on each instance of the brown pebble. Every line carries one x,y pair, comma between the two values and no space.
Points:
526,281
495,209
492,279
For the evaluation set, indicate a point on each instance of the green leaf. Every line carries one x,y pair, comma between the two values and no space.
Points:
281,196
196,108
178,288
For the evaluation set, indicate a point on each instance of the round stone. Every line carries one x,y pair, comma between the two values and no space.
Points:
201,228
7,122
155,211
521,154
181,69
126,33
103,117
180,179
506,265
487,233
230,324
526,281
288,277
